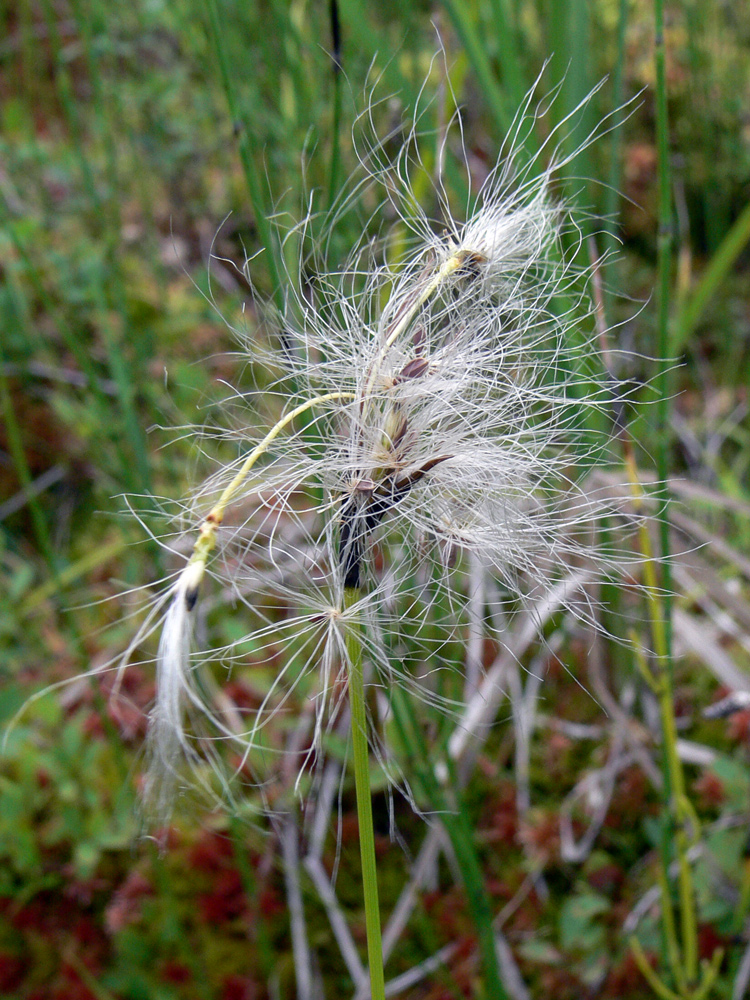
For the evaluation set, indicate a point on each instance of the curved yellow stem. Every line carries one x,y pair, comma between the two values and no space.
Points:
449,266
193,573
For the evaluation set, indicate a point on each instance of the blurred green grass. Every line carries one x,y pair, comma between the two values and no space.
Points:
134,142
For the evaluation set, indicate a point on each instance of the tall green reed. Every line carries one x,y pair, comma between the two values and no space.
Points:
108,288
679,825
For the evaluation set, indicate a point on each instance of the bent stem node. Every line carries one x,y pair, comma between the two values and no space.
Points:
193,572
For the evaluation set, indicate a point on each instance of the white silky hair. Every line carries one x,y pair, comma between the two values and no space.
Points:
460,430
166,745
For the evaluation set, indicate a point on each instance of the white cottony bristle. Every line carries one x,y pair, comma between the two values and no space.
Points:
443,403
166,737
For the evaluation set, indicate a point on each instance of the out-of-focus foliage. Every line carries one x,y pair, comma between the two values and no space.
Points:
121,174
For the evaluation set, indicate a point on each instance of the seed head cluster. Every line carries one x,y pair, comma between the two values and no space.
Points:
431,411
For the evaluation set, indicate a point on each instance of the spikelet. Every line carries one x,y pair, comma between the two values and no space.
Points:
436,409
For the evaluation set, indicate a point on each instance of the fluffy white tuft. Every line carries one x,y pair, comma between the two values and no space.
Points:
167,744
466,376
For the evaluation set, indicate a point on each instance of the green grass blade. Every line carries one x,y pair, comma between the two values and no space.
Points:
336,55
514,75
716,271
454,819
501,108
109,281
18,456
614,180
248,155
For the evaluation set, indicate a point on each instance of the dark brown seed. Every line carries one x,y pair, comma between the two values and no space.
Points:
407,479
471,264
191,596
412,369
364,486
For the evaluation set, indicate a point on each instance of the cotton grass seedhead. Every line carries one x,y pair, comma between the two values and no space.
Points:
428,410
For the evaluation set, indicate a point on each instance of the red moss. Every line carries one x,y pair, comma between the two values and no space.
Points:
167,838
557,747
462,970
540,833
36,915
175,972
467,945
630,801
501,826
528,916
12,971
270,902
226,899
128,708
554,669
238,988
626,979
709,791
709,940
242,695
125,907
74,987
448,911
93,725
738,726
349,829
561,984
88,933
212,853
81,891
606,879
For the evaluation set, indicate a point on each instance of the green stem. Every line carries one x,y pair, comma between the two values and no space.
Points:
660,989
688,923
364,801
614,181
672,764
677,811
719,266
333,178
107,288
664,277
463,22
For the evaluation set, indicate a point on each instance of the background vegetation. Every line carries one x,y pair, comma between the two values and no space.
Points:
135,141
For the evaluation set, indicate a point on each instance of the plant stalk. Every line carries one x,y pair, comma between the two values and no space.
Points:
361,754
664,268
683,960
